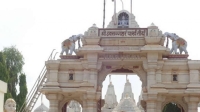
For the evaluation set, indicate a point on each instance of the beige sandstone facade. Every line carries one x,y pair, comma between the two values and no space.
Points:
165,77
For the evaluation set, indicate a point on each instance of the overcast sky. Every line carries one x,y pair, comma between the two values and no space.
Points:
38,26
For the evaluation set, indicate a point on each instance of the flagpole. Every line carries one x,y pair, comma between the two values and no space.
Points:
122,5
131,6
104,6
114,11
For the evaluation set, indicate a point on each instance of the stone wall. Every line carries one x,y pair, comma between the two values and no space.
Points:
3,89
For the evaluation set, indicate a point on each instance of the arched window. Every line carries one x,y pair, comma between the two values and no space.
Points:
123,20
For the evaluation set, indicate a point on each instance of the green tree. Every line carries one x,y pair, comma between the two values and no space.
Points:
21,97
3,70
4,76
14,64
11,64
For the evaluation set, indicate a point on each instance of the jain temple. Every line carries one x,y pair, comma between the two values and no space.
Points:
73,83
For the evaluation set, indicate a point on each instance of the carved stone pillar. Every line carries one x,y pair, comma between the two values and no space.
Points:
151,106
54,102
93,77
193,104
151,79
89,106
52,74
84,106
159,106
151,101
158,76
52,78
85,75
192,107
160,99
194,76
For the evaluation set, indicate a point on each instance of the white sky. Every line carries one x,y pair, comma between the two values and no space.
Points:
38,26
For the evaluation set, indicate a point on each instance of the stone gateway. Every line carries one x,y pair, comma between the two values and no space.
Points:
167,79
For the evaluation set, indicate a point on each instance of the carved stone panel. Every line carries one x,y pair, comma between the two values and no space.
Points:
122,41
121,48
120,56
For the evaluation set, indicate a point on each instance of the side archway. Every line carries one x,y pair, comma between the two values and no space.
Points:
65,102
173,107
172,103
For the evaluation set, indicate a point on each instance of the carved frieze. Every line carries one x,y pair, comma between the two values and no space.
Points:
120,56
121,48
122,41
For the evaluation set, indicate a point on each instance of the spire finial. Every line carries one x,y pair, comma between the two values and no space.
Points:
126,77
110,78
41,98
152,24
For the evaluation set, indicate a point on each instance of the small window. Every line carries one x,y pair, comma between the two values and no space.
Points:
71,76
175,77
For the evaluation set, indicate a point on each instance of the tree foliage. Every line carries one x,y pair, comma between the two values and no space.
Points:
14,64
3,70
11,65
4,76
171,107
21,97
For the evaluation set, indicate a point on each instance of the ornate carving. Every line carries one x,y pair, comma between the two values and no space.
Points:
68,45
92,31
121,48
153,33
120,56
129,20
70,57
177,43
177,56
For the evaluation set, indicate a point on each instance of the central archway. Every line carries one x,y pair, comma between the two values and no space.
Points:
125,69
122,70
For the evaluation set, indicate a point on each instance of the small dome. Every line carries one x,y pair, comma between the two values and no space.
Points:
41,108
92,31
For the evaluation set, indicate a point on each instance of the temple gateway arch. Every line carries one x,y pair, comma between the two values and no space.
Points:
123,47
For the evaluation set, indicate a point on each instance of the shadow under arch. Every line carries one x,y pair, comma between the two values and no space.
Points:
180,104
